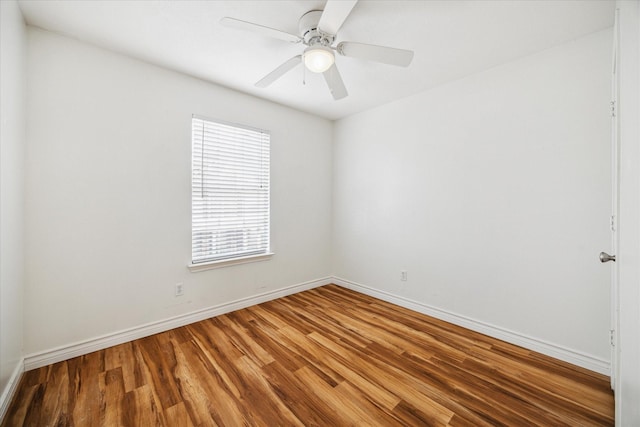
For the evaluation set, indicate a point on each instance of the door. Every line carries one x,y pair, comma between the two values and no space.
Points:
614,206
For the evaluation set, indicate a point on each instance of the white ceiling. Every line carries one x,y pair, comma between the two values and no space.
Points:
451,39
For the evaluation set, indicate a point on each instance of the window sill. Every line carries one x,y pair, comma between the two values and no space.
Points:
202,266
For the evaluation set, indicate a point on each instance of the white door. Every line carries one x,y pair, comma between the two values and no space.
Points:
614,207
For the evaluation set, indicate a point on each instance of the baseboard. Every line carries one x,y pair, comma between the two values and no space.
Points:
558,352
43,358
10,389
65,352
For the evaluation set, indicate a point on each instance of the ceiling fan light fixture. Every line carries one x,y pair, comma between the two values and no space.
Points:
318,59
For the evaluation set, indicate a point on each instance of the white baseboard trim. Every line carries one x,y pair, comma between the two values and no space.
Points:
58,354
43,358
558,352
10,389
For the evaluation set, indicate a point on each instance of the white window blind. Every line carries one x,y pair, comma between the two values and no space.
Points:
230,191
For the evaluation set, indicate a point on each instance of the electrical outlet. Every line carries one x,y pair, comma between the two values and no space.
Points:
179,289
403,275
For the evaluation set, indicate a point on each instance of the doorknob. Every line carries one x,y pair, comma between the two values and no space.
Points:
605,257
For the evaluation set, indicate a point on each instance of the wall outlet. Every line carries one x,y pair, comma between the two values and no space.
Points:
403,275
179,289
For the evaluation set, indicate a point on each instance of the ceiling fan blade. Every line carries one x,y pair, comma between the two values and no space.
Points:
334,14
279,72
260,29
335,83
386,55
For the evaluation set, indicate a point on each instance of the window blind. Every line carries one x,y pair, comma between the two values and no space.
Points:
230,191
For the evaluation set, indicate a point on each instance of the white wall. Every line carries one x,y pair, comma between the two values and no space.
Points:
628,383
12,139
493,193
108,193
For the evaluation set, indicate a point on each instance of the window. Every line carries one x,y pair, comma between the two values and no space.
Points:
229,192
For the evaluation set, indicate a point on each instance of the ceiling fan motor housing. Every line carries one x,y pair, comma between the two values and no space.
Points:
311,35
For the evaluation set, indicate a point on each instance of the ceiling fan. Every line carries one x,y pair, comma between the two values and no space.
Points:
318,30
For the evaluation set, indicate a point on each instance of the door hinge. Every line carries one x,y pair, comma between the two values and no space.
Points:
612,337
613,108
612,222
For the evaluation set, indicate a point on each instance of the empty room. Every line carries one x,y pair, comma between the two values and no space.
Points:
331,212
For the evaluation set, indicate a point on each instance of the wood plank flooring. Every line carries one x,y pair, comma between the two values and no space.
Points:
325,357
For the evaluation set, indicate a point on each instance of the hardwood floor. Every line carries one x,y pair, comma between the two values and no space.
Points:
328,356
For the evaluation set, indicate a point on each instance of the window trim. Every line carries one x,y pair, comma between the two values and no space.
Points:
230,261
210,265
